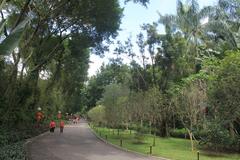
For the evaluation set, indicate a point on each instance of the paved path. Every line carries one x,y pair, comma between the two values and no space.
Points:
76,143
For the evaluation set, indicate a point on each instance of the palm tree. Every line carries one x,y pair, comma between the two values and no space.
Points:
189,22
224,22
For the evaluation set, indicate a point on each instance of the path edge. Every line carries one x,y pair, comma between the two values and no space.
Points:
29,141
124,149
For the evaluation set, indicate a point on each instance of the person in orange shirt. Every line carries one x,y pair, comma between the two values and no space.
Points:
52,126
61,126
39,116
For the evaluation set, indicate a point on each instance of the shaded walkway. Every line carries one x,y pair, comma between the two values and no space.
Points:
76,143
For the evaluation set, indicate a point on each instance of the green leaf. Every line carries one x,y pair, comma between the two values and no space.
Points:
21,25
12,41
2,24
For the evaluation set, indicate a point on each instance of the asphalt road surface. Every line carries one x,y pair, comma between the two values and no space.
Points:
76,143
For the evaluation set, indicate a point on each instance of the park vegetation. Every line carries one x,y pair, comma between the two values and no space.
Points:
44,55
188,77
182,83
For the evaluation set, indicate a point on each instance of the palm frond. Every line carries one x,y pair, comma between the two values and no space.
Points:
194,6
206,12
222,30
167,19
180,8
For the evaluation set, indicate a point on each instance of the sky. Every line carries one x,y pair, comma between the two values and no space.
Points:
134,16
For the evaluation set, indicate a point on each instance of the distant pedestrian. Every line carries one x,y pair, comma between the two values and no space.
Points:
78,119
52,126
74,121
61,126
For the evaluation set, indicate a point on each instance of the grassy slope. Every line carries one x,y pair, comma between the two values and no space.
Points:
173,148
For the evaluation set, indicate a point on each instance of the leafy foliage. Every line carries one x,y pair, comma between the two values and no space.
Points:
44,51
12,40
13,152
190,81
97,115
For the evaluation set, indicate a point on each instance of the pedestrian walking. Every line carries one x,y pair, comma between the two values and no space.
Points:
61,126
52,126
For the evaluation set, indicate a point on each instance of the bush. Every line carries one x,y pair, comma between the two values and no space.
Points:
133,126
9,136
97,115
179,133
219,139
12,141
140,134
182,133
143,130
14,151
139,137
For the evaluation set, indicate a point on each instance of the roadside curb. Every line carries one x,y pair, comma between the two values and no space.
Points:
124,149
29,141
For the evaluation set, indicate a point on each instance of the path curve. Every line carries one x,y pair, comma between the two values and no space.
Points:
76,143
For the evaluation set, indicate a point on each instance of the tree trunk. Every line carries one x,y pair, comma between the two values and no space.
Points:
141,123
231,130
33,83
166,129
163,128
154,139
174,123
127,126
191,139
153,70
150,127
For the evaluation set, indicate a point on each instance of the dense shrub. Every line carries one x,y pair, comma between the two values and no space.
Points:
12,141
140,134
139,138
219,139
179,133
182,133
97,115
13,151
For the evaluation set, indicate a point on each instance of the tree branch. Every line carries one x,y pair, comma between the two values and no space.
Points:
5,28
49,56
22,13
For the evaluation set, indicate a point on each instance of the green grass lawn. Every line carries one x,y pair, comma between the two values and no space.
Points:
172,148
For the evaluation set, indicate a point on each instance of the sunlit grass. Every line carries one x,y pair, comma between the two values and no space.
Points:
172,148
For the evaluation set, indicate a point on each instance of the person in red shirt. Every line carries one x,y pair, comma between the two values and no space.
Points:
52,126
61,126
